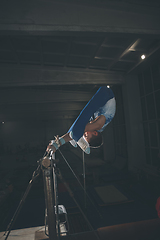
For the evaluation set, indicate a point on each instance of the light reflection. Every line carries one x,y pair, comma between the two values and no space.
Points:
143,56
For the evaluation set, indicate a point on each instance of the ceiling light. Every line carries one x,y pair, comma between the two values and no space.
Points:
108,86
143,57
2,122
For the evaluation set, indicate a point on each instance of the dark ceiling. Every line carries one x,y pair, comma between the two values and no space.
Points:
47,76
109,52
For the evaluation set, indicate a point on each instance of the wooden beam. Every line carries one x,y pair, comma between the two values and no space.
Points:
50,17
36,76
31,96
38,115
46,108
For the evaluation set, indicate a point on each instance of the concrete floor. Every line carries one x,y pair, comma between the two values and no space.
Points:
142,230
23,234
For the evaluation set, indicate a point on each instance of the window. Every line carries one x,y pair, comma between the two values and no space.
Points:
149,84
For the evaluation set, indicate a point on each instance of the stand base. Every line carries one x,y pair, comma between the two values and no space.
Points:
40,235
24,233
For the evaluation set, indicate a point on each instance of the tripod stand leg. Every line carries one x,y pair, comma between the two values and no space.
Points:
17,210
34,176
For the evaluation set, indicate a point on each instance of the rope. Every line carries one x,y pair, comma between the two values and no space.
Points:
80,183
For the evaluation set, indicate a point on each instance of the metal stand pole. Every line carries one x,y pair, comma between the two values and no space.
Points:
84,181
55,196
48,169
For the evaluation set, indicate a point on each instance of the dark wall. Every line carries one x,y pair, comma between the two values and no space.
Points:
14,134
149,84
22,142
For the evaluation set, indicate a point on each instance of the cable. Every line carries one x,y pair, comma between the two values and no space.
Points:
79,183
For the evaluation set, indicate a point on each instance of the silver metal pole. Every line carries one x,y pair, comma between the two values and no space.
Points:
84,180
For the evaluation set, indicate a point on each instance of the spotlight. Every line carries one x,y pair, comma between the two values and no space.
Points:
108,86
2,122
143,57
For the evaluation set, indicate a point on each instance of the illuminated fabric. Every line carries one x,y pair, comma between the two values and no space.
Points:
98,105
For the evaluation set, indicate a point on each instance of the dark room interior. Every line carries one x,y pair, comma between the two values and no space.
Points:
54,56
